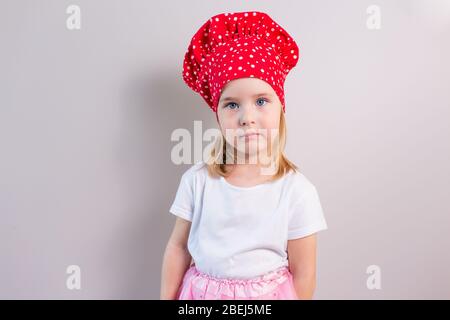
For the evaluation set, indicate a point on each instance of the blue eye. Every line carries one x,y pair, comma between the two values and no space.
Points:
231,104
261,101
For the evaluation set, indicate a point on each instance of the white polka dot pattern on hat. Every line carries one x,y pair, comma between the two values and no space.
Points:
236,45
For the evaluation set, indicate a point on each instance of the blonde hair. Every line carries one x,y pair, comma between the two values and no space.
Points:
278,158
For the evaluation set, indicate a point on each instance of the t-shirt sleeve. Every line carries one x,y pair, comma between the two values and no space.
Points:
183,205
306,216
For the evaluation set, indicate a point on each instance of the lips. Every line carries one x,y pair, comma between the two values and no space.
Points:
250,134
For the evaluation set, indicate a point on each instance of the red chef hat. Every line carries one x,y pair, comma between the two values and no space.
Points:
238,45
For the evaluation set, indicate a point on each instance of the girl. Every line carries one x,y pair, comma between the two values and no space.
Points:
246,218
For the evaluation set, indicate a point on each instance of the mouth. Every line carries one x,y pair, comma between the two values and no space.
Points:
251,135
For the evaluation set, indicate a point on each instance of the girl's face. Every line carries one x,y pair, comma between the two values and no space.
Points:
248,105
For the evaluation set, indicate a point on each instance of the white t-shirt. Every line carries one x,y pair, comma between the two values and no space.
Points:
242,232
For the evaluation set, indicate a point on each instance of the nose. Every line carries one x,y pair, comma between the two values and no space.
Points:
247,116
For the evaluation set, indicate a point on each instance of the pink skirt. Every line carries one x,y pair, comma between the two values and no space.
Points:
274,285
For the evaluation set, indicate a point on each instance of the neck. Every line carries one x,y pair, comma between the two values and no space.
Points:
251,169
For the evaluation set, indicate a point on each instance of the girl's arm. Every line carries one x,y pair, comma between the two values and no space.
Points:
302,265
176,260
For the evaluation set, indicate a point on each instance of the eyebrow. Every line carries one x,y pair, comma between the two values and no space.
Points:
254,96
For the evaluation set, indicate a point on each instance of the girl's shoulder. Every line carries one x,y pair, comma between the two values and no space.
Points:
197,168
299,184
194,172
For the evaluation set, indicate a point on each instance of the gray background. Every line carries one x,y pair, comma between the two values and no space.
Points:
86,116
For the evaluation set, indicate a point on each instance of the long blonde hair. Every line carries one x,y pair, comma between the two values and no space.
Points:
282,164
